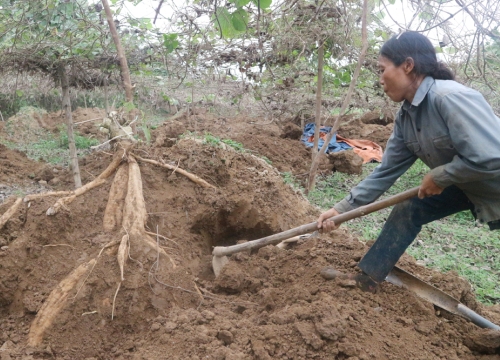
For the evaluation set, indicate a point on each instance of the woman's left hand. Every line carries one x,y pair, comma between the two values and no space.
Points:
428,187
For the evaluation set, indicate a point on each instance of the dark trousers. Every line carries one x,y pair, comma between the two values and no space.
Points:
404,224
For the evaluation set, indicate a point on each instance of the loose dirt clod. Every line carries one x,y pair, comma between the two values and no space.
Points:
55,303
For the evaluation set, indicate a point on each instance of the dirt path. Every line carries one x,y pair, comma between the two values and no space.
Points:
271,304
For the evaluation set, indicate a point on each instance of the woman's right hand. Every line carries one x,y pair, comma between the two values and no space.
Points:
325,225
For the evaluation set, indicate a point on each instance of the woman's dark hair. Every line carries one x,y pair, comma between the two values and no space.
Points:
411,44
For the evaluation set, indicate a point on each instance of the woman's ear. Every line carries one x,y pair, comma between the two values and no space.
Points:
409,65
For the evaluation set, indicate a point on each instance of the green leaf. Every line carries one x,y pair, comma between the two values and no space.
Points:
170,42
69,9
128,106
425,16
380,15
223,20
239,3
19,93
240,20
346,77
264,4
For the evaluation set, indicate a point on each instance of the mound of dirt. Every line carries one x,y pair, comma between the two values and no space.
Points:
32,124
268,304
85,120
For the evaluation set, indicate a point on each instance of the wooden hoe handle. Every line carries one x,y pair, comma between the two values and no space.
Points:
304,229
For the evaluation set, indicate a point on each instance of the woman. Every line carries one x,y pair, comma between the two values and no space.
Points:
452,129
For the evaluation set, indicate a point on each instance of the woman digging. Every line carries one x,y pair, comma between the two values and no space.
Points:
452,129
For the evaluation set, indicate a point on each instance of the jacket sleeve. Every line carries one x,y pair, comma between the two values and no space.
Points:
396,160
473,128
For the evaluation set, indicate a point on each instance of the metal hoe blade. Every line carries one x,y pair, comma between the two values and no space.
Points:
437,297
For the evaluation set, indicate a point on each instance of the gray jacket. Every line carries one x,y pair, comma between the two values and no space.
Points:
454,131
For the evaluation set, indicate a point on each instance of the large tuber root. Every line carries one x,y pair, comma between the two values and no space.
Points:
11,211
134,213
134,217
113,214
55,303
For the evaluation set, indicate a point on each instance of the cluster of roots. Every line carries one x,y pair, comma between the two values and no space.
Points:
125,210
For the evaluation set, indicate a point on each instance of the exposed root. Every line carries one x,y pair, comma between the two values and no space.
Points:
117,159
198,291
134,213
61,203
155,246
11,211
31,197
113,215
89,313
101,179
122,254
55,303
211,296
54,245
163,237
108,245
114,300
192,177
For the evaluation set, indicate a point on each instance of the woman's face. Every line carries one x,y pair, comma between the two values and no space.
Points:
396,80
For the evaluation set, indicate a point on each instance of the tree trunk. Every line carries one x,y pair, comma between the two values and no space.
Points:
321,54
127,83
66,105
315,163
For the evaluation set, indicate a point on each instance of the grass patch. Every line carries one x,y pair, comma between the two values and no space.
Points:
53,148
453,243
218,142
212,140
291,180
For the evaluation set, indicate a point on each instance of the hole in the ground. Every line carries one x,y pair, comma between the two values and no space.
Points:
227,227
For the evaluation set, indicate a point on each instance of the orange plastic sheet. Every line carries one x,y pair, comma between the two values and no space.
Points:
367,149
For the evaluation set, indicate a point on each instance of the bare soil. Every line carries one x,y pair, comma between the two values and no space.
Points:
270,304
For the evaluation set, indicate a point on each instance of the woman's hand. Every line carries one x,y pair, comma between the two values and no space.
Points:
325,225
428,187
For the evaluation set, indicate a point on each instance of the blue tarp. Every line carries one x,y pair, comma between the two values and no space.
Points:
333,146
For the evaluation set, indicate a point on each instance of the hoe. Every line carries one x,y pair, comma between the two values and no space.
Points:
397,276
